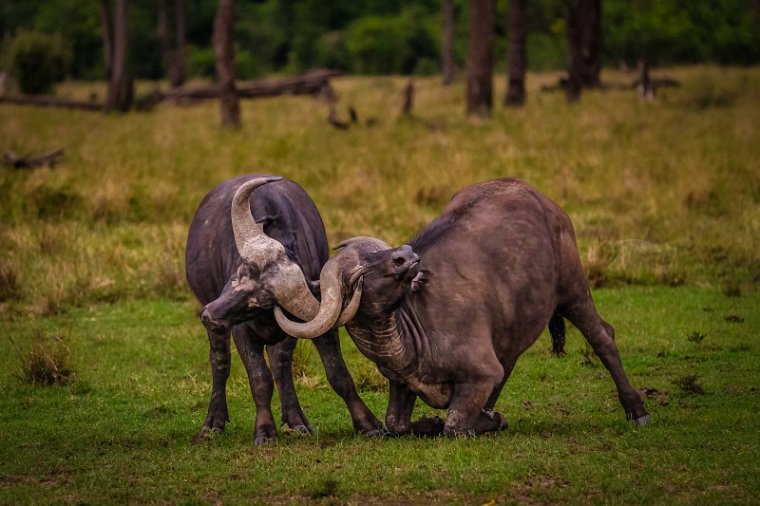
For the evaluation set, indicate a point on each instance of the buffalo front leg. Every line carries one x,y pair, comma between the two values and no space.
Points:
219,356
260,380
340,380
281,362
467,415
398,418
600,336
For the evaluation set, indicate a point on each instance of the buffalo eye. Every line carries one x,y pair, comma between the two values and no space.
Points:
398,261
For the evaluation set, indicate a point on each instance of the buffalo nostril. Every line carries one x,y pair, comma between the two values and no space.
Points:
405,255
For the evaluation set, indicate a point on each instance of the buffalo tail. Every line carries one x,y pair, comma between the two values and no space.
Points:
557,331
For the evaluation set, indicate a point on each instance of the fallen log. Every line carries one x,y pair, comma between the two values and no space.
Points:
32,162
46,101
311,83
306,84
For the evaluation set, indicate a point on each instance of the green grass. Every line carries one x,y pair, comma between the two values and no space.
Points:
665,198
120,431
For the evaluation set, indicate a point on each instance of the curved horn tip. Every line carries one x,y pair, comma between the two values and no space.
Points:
291,328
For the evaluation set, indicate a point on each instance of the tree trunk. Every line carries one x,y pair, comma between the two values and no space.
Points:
447,47
480,58
105,30
180,53
173,57
517,32
120,86
162,34
584,36
225,71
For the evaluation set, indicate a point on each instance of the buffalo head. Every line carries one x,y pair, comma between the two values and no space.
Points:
265,276
364,265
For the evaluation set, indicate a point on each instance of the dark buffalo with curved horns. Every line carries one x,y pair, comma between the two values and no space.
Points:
255,241
446,317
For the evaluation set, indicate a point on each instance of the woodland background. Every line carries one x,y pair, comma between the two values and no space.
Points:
392,36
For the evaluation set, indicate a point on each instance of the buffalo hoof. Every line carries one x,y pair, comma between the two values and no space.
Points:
264,434
490,421
381,432
428,427
458,433
207,434
298,430
643,420
262,440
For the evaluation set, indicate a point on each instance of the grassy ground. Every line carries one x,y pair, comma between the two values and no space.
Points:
121,430
665,197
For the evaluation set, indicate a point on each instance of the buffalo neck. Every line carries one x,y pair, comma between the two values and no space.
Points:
393,340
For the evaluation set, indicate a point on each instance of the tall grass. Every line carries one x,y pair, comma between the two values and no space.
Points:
663,192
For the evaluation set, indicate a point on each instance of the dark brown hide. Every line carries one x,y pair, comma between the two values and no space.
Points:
494,270
215,269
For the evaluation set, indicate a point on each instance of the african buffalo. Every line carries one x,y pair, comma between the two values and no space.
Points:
238,273
446,317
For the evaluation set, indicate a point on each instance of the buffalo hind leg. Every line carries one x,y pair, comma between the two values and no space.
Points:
488,412
340,380
260,380
219,357
281,362
600,335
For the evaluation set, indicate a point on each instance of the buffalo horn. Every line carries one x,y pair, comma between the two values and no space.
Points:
329,314
290,289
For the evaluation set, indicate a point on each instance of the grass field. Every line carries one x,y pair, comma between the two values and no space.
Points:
120,431
665,198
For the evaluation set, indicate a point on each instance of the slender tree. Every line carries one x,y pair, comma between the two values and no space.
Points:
172,56
105,31
584,37
517,58
225,70
180,55
447,46
116,49
480,58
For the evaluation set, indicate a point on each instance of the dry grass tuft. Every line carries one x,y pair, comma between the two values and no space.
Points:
46,363
10,288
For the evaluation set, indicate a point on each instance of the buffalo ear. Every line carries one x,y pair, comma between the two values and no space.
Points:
419,280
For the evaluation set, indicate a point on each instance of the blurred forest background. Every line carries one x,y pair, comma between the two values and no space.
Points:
384,37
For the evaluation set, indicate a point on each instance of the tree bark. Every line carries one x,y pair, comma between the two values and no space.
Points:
584,36
517,58
447,46
120,86
162,34
105,31
225,70
480,58
180,54
172,56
